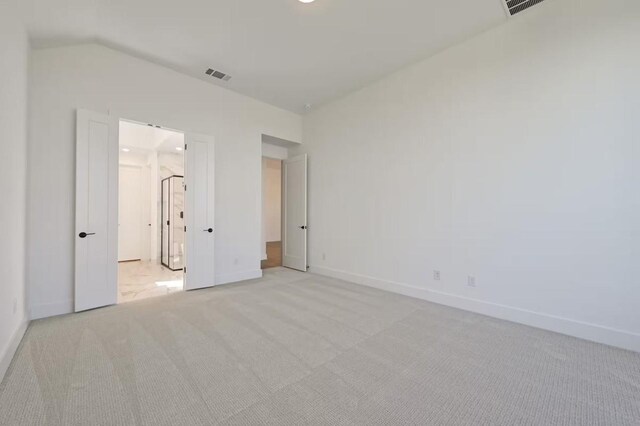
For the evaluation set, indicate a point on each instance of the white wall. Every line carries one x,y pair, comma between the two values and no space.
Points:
272,209
100,79
139,159
14,53
274,151
513,157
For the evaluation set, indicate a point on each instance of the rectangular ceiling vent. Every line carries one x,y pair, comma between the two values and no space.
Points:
517,6
217,74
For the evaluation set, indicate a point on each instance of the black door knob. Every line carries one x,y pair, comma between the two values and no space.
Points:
303,227
210,230
85,235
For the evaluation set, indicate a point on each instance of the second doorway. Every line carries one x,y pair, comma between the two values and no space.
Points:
272,212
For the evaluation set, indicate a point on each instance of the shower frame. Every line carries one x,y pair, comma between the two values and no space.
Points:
162,223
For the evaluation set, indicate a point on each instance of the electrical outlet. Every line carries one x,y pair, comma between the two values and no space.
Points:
436,275
471,281
324,256
235,261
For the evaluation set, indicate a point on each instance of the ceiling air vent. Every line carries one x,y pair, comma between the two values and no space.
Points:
217,74
516,6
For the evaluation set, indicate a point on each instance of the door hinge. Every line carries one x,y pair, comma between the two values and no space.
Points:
185,229
184,269
185,146
185,188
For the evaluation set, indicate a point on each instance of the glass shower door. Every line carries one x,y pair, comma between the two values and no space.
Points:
165,223
173,235
176,254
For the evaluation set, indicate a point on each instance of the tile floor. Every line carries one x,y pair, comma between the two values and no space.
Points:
144,279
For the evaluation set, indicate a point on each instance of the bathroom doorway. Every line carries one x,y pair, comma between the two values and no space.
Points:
151,237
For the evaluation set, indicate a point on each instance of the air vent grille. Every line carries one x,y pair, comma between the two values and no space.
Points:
217,74
517,6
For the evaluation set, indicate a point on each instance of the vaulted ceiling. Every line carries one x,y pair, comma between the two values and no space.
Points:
283,52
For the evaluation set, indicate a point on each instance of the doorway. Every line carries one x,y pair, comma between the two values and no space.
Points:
98,158
151,237
272,212
284,205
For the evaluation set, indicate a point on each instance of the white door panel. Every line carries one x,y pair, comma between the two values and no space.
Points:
294,194
130,213
199,211
96,210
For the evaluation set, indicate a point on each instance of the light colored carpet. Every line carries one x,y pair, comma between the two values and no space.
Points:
296,349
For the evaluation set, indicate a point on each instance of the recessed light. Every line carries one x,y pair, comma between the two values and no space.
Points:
125,150
306,1
178,148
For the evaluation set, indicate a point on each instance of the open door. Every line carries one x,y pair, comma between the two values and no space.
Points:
199,212
96,233
294,198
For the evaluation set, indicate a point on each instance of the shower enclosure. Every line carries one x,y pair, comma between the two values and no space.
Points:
172,219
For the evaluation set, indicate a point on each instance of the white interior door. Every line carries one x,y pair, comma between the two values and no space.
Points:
199,212
130,213
294,230
96,250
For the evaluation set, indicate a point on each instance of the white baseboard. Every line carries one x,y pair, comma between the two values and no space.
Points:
46,310
238,276
10,350
583,330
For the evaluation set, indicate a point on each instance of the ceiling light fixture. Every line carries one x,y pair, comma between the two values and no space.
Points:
306,1
178,148
125,150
